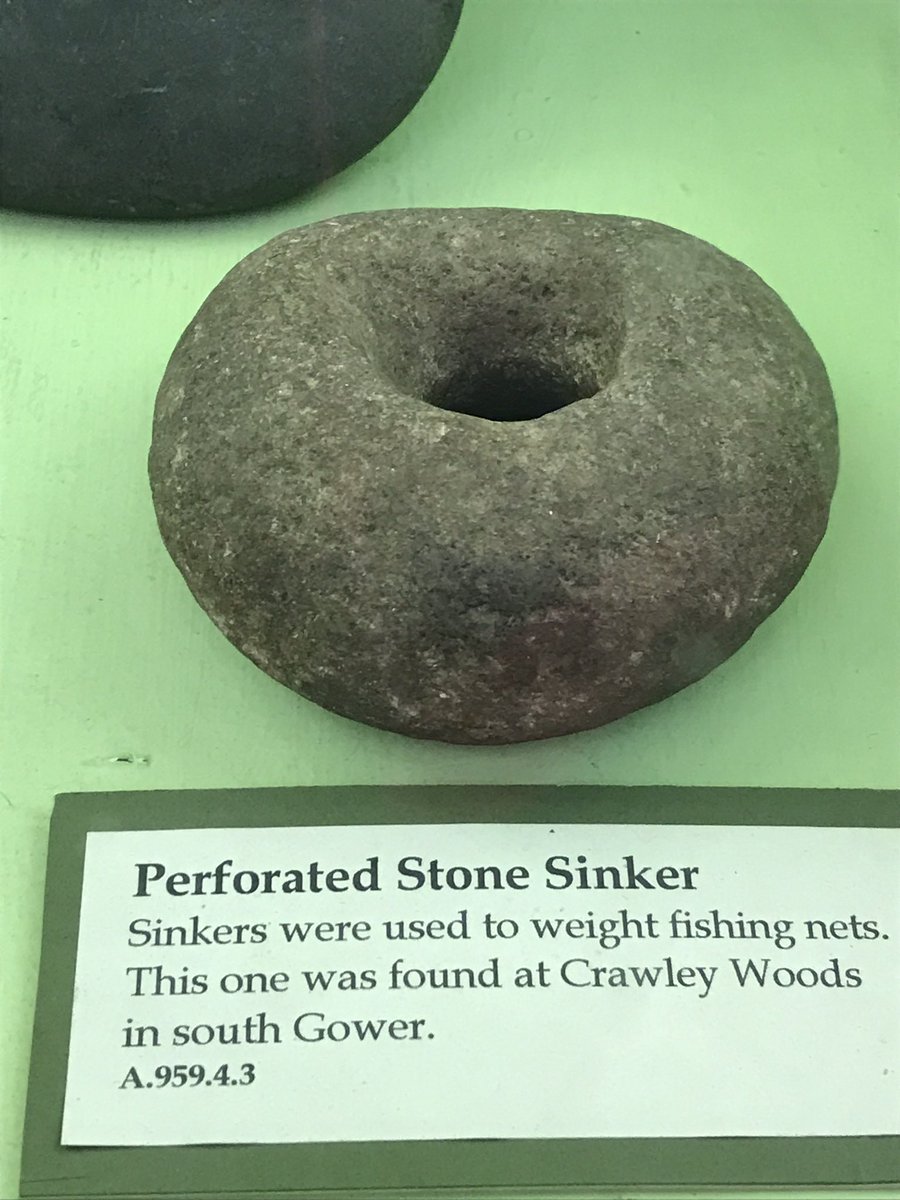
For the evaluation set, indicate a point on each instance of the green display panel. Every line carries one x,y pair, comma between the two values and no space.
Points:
421,1168
770,128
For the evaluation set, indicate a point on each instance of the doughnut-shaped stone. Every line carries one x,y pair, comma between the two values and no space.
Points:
491,475
179,108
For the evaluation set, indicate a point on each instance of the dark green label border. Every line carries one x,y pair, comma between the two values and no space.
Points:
445,1168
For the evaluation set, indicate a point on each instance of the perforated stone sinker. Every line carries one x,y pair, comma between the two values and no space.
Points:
492,475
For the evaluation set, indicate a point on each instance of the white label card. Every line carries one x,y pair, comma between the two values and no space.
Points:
382,983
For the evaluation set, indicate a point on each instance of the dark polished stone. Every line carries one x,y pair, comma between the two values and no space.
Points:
489,475
177,108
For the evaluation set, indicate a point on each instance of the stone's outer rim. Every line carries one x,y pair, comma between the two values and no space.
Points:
200,558
159,198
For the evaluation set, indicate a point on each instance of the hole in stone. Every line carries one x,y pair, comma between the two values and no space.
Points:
515,391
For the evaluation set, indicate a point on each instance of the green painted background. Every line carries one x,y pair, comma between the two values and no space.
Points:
769,127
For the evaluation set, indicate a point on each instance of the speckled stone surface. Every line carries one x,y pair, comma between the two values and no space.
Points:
489,475
179,108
